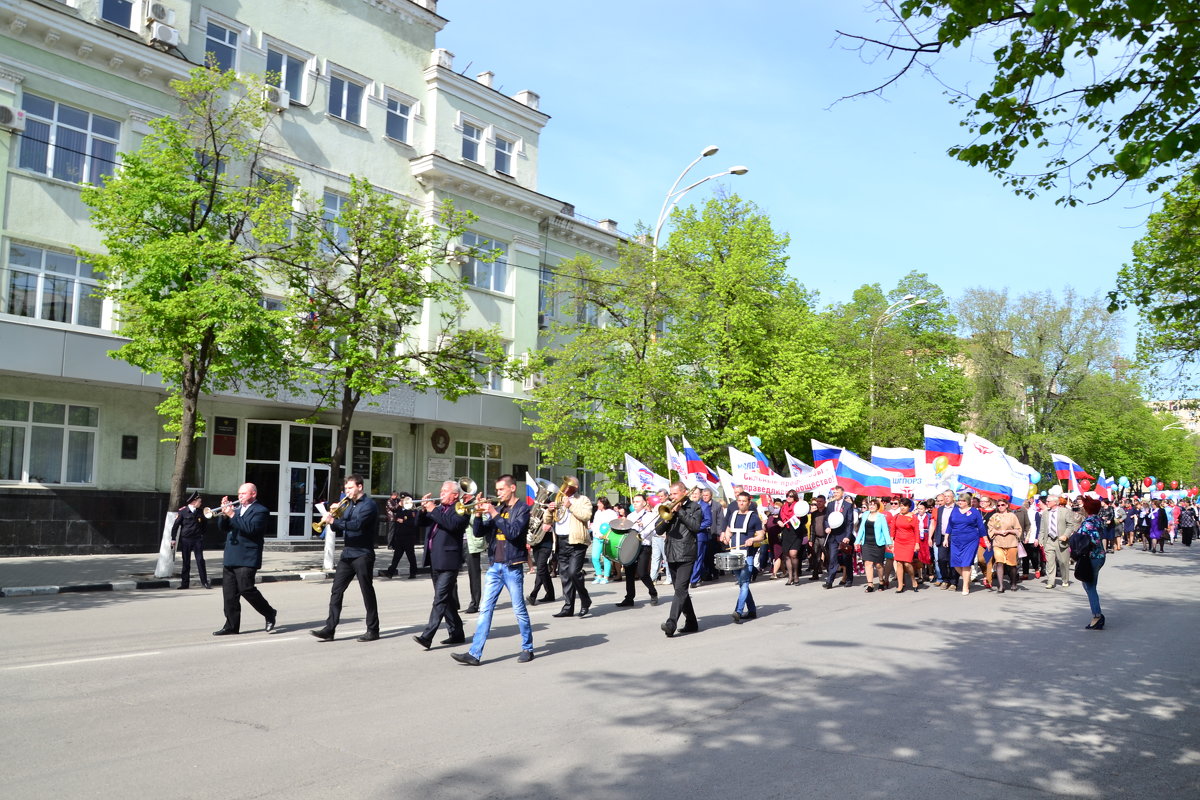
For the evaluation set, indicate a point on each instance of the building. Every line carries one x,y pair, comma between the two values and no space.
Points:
82,467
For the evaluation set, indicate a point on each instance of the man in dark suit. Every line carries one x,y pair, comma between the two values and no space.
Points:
444,544
505,527
681,550
357,523
838,534
937,529
245,526
187,534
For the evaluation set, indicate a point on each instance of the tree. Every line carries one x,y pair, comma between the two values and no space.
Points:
1026,355
185,223
707,337
1163,282
1106,88
359,283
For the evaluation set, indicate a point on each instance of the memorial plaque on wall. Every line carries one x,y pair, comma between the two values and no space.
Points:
224,436
360,453
438,469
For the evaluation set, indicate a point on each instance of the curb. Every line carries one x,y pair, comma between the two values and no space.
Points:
159,583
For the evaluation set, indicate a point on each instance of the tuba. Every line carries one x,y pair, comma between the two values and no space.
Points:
537,515
466,486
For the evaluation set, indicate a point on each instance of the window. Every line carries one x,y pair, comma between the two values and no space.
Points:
479,461
399,119
47,442
67,143
286,71
491,274
585,313
472,137
334,203
546,298
271,303
220,47
118,12
346,99
382,459
50,285
504,155
487,376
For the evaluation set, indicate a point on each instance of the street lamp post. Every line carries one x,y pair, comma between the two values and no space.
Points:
901,305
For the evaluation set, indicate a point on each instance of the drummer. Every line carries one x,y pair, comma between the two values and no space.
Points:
643,520
743,529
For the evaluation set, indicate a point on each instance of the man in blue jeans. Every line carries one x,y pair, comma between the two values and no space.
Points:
504,525
702,535
743,529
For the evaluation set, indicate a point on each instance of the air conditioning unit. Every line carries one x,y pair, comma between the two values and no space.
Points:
12,119
158,12
277,99
460,254
164,34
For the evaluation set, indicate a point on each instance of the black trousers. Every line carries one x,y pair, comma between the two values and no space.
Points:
681,576
831,552
1032,559
475,577
570,573
639,569
187,546
404,547
1185,536
541,569
817,555
237,583
362,568
445,605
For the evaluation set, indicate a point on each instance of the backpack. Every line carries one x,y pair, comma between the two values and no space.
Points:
1080,545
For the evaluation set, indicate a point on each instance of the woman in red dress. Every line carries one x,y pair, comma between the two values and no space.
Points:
904,545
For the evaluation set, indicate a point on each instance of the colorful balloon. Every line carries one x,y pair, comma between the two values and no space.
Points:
605,528
1123,482
1147,482
1035,477
1159,486
940,464
1032,492
1174,484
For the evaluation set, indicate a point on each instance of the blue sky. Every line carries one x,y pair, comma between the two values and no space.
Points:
864,187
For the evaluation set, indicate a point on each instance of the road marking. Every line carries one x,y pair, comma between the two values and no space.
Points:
268,640
84,660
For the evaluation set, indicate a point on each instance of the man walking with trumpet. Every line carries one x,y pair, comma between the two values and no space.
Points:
680,522
444,545
245,526
356,521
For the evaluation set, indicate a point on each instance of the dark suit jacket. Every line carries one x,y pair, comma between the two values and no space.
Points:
847,528
357,525
445,539
681,533
244,534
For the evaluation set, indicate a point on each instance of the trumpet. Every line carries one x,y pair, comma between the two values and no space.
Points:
335,511
209,513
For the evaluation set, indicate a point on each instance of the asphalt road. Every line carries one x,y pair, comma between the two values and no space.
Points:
837,694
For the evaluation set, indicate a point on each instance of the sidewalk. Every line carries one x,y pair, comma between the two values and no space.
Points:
58,574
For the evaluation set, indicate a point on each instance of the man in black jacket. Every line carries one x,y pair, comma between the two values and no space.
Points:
444,545
245,526
357,523
681,550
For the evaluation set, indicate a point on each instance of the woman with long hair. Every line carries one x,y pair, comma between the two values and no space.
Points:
603,515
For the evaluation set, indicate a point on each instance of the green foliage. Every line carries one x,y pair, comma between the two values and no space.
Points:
1106,88
359,285
184,223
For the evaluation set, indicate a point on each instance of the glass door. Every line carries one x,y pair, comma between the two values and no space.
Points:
308,485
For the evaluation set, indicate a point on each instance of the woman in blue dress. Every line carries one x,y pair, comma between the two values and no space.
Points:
963,531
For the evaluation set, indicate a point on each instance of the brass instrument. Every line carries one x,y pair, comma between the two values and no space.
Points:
568,482
335,511
209,513
477,506
537,514
466,486
666,510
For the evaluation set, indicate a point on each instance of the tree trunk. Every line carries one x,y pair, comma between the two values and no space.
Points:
337,472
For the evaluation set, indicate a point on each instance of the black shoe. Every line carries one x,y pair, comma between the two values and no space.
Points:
828,584
691,627
566,612
270,625
454,640
206,584
548,598
369,636
184,586
626,603
421,640
751,615
737,618
533,601
668,628
472,609
225,632
584,611
525,657
653,599
387,573
323,634
465,658
694,585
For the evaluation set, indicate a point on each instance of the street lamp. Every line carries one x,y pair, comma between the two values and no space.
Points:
676,194
901,305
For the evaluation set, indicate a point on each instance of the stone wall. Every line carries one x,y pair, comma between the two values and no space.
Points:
43,522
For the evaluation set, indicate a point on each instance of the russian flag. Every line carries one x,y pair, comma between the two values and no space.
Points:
764,466
942,442
824,452
1065,468
1104,486
895,459
857,476
530,489
795,466
695,466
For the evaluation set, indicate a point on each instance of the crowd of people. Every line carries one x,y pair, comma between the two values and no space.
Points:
685,538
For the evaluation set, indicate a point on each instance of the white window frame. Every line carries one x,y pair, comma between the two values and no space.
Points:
237,30
41,275
28,424
392,97
330,215
287,51
347,78
491,378
57,131
135,7
491,462
474,142
500,154
377,446
496,271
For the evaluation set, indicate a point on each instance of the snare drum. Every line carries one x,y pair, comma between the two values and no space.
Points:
730,560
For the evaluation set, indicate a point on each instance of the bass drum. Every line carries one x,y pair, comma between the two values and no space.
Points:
622,548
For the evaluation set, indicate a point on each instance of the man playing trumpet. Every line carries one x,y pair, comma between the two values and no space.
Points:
444,546
356,522
245,526
568,515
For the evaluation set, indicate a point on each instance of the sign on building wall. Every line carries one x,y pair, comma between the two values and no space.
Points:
224,436
439,469
360,453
